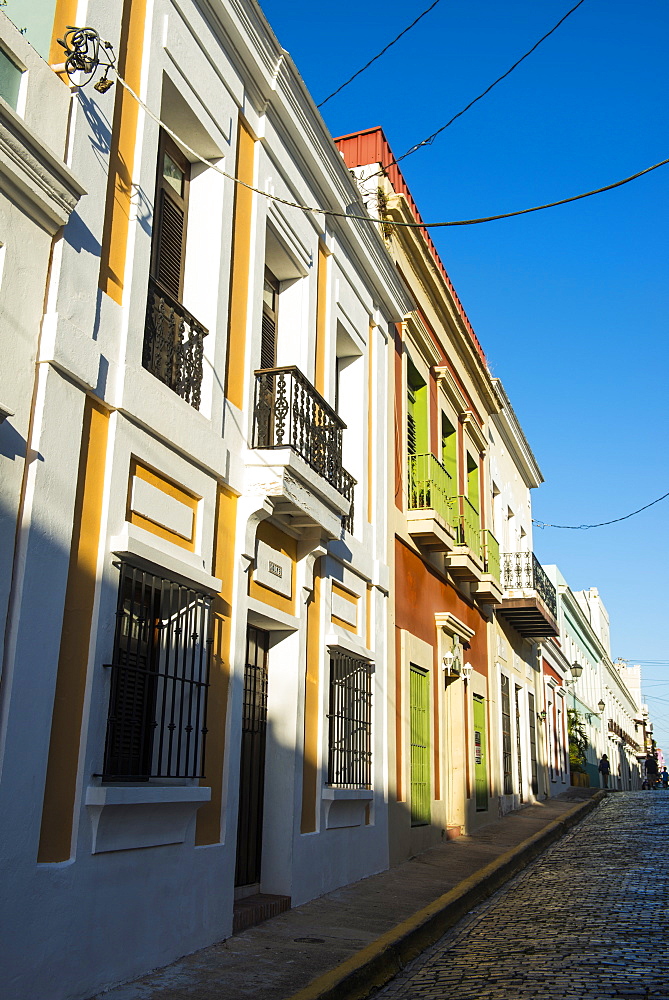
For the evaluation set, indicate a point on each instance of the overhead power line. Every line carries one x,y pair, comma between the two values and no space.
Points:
602,524
379,54
331,213
637,659
430,138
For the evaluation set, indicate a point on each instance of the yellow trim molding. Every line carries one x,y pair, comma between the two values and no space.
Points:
240,268
321,316
65,14
122,153
353,600
287,546
171,489
208,824
61,777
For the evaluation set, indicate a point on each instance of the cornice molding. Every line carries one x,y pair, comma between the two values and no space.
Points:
273,83
453,626
470,422
509,427
417,252
414,327
451,389
35,179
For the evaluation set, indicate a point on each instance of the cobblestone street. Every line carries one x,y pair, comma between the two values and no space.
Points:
588,919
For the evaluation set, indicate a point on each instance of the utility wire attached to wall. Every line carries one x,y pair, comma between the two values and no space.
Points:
333,214
602,524
89,36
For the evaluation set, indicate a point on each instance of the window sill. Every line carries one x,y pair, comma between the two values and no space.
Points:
334,794
347,807
126,817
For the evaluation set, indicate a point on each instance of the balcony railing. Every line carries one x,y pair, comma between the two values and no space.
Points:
523,571
491,554
431,487
347,490
290,413
173,344
469,525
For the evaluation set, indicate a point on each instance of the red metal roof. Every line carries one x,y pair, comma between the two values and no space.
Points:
371,146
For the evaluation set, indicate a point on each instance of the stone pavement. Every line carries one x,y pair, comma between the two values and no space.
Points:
588,919
354,938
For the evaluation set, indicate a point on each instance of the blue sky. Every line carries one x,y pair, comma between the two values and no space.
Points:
572,304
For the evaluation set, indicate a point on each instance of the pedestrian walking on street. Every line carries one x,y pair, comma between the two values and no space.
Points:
605,769
665,778
651,770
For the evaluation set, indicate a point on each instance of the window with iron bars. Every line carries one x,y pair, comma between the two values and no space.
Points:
156,727
350,722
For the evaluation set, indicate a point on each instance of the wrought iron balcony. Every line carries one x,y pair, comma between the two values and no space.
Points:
290,413
530,602
173,344
348,492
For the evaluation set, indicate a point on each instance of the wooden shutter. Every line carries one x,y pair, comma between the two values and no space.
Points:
269,321
268,342
171,213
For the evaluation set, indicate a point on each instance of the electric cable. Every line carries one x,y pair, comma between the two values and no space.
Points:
602,524
333,214
430,138
379,54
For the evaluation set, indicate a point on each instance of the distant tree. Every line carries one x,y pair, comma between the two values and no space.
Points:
578,741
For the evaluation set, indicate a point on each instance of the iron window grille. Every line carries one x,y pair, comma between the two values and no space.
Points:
350,722
156,727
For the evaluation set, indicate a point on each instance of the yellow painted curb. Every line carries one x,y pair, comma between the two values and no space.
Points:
375,964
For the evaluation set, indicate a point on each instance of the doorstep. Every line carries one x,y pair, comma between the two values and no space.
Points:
252,910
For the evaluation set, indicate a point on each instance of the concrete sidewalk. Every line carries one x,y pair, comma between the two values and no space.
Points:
356,938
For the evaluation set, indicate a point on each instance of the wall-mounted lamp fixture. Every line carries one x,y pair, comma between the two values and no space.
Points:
452,661
576,670
601,705
467,671
541,716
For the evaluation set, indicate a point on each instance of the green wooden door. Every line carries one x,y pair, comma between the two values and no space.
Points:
480,755
419,701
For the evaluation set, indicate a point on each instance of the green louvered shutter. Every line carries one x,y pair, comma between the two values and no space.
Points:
419,699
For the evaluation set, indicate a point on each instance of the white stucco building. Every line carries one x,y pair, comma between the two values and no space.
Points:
525,617
193,715
604,694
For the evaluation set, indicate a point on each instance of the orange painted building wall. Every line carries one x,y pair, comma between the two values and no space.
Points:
421,592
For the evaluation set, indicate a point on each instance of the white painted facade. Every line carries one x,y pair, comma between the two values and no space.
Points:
135,891
605,695
513,473
37,194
